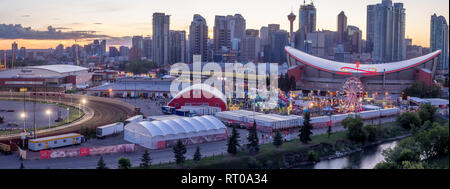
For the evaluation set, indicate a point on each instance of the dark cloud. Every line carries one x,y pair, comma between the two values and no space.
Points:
26,15
18,32
97,23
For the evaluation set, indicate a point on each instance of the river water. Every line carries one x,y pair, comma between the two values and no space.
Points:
366,159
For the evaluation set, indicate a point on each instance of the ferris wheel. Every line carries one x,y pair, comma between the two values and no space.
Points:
353,89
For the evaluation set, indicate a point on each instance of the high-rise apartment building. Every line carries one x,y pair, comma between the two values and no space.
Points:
177,44
439,40
387,32
161,23
147,44
198,38
307,17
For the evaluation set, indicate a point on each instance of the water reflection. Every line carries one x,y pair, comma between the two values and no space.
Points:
366,159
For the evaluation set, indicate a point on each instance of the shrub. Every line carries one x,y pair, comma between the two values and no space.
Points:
313,156
408,120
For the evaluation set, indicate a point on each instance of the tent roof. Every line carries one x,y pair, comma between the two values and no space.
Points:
180,126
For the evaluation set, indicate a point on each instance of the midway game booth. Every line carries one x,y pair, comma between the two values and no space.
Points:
166,133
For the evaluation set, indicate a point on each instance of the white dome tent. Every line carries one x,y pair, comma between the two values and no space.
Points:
165,133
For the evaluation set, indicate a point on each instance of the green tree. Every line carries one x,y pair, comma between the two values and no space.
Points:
233,141
101,163
305,130
329,131
427,112
412,165
386,165
406,150
253,141
277,139
434,142
179,150
124,163
371,132
197,154
354,127
408,120
146,160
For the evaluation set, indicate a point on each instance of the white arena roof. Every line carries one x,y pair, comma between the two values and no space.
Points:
364,69
61,68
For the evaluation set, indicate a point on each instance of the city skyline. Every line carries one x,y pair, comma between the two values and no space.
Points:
121,22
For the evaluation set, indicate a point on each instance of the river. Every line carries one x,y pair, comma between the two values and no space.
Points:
366,159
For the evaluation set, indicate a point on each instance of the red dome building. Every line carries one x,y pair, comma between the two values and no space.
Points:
199,95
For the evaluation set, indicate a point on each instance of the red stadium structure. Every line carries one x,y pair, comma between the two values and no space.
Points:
199,95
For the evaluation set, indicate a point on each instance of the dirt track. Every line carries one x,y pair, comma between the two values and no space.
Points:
105,110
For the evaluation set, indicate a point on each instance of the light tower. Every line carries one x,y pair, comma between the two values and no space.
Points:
291,18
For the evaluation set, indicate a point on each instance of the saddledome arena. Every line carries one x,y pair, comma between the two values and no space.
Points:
314,73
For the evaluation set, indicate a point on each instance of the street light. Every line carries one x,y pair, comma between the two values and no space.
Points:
48,112
23,115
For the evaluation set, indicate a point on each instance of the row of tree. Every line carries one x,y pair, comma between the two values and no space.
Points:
429,141
179,151
421,90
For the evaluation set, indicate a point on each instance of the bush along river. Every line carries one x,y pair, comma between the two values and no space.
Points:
358,157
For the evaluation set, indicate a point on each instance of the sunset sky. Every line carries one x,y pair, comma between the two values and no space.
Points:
133,17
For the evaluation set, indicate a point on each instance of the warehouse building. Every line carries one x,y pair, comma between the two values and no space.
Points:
44,78
166,133
143,87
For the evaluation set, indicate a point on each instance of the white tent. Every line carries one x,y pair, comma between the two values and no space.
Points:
156,134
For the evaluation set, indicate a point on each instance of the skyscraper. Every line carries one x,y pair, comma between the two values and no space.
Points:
279,40
177,44
388,26
342,27
103,47
250,46
147,48
370,27
439,40
237,26
222,37
354,43
307,17
161,23
124,50
198,38
14,49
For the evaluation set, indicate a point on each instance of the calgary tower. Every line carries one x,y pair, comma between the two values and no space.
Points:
291,18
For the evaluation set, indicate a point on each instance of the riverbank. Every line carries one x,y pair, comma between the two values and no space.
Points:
350,152
292,153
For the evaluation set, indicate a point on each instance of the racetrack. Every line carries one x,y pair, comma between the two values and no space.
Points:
104,111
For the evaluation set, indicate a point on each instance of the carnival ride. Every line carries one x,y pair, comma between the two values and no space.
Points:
353,89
